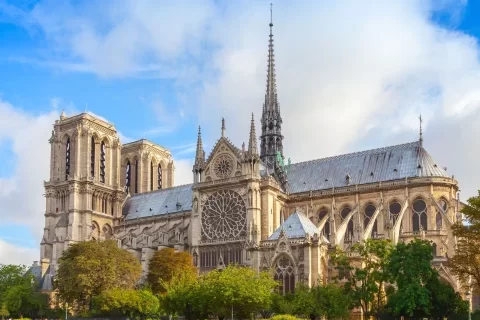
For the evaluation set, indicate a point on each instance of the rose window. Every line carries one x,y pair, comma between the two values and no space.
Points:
224,216
223,166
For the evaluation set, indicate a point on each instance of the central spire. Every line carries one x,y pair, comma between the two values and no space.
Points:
271,140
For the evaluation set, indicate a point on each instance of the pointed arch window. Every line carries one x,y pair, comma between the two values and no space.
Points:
285,275
419,216
367,217
102,161
92,157
67,158
151,175
395,208
159,176
438,217
343,215
128,176
326,227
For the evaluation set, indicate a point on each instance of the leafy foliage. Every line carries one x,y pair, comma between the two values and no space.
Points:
284,317
18,294
237,290
366,277
87,269
167,263
126,302
466,262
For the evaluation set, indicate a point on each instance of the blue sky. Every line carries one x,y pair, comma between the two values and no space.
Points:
350,77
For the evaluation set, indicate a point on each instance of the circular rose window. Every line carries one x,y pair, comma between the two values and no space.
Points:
223,166
224,216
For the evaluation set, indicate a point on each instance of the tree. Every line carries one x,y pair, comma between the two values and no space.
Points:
167,263
466,261
409,267
238,290
365,275
126,302
445,301
329,301
4,311
87,269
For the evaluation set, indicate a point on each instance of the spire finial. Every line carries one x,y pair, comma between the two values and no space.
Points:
223,127
271,17
421,132
252,141
199,156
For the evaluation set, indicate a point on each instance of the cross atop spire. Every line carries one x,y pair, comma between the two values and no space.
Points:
271,138
421,133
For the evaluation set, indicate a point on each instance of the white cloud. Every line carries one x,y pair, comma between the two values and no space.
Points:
350,75
13,254
183,171
21,194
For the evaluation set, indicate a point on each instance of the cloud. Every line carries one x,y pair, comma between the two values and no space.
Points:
183,171
13,254
350,75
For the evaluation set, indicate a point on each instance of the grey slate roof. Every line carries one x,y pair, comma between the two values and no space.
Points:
158,202
297,225
384,164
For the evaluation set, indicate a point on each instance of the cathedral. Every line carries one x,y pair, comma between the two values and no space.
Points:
246,205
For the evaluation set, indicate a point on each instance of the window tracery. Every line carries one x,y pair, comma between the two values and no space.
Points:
419,215
394,208
224,216
223,166
285,275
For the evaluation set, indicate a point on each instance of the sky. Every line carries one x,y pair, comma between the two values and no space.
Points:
351,75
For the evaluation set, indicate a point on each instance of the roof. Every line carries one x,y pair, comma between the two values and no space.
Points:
159,202
384,164
297,225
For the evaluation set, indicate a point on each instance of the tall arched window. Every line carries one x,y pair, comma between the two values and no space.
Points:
92,157
67,159
159,176
128,176
349,233
438,218
326,228
395,209
151,176
102,161
136,176
434,249
419,215
285,275
367,217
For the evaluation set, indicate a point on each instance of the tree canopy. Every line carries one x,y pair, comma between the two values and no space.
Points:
87,269
167,263
126,302
466,261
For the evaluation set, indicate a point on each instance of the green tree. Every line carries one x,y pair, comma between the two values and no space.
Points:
165,264
364,269
126,302
466,261
4,311
87,269
445,301
410,269
329,301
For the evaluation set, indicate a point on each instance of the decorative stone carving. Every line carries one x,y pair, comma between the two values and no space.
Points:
223,166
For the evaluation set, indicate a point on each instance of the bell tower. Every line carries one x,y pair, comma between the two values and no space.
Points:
271,140
83,196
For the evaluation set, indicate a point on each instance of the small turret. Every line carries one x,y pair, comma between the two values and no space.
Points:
199,158
252,141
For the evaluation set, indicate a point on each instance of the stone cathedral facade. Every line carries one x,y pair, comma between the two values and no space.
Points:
246,205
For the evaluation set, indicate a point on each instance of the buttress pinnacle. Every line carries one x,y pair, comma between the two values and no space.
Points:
252,141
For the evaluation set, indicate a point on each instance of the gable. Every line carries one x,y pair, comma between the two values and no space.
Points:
223,162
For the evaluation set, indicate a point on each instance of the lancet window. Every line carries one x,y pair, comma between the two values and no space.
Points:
343,215
419,215
128,176
103,153
285,275
159,176
136,176
395,208
438,218
151,175
67,158
92,157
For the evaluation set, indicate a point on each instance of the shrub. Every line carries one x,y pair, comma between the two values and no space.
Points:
284,317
